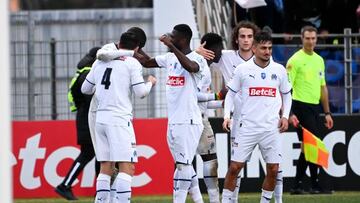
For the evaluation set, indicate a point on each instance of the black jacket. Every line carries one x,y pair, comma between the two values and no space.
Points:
82,103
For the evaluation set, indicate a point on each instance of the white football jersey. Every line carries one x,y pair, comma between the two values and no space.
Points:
181,88
228,62
260,90
113,82
204,86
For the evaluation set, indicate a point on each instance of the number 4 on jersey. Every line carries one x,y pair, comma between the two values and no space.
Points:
106,78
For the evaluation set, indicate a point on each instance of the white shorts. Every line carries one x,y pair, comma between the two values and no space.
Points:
207,144
234,127
115,143
269,145
183,140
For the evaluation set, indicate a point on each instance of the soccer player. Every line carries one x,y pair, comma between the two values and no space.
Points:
184,70
114,133
241,41
207,146
264,88
106,53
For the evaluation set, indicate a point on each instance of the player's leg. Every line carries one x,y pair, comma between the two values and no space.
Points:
241,149
270,147
234,128
123,151
230,181
103,155
85,156
278,192
207,150
183,149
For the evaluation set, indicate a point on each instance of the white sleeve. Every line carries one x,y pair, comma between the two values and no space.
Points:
88,86
286,98
109,52
141,90
215,104
285,85
204,96
161,60
229,103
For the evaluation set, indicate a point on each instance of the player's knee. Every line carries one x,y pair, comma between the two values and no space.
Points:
234,168
128,168
272,170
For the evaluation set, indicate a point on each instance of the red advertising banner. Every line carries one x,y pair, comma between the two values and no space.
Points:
43,152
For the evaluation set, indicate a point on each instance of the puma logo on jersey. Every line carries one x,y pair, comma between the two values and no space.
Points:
252,76
262,91
176,81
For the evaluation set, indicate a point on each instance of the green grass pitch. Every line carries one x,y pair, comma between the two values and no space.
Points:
337,197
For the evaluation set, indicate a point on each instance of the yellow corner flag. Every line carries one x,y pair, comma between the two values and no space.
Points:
314,149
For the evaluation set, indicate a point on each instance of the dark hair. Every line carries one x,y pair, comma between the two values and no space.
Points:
235,32
308,28
184,30
129,40
262,37
88,59
140,35
211,39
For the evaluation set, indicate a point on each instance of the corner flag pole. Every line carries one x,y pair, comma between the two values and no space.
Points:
6,186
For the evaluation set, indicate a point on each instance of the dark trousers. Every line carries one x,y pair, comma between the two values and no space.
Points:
87,153
308,115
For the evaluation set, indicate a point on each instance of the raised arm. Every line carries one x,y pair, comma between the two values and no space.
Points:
109,52
189,65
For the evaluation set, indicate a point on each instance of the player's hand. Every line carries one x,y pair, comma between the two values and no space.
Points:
166,39
294,121
329,123
283,124
152,79
287,37
206,53
221,94
226,124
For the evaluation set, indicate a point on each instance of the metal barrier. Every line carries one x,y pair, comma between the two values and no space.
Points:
41,68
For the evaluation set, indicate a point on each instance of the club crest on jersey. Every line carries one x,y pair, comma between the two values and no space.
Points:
176,81
273,77
262,91
263,75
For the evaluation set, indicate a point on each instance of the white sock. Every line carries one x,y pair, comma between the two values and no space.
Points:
235,195
102,189
113,192
194,190
123,188
227,196
278,192
182,182
266,196
211,180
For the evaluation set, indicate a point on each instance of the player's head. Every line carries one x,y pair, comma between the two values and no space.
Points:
213,43
129,41
88,59
140,34
262,46
181,35
309,37
243,35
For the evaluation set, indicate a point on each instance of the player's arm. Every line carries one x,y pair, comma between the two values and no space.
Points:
189,65
215,104
88,86
110,52
140,88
